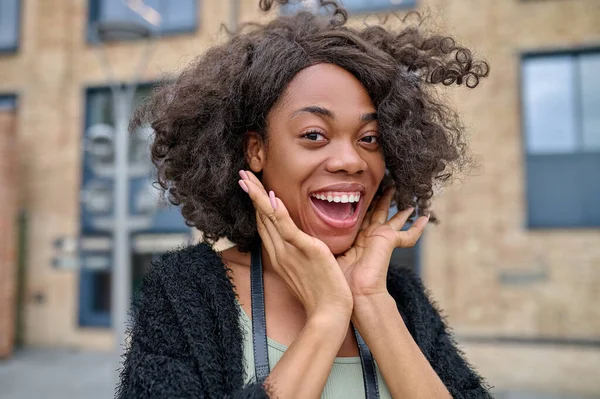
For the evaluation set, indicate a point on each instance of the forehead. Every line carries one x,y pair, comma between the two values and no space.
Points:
329,86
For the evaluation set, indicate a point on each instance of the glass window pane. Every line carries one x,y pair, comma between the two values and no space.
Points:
591,188
8,103
590,102
555,191
100,107
352,5
366,5
117,10
549,106
176,15
101,291
9,24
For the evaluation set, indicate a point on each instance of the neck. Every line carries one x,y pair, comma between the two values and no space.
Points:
233,254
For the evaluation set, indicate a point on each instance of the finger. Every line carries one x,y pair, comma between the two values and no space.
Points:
267,233
259,197
248,179
367,220
248,175
408,238
278,214
286,226
382,209
399,219
265,217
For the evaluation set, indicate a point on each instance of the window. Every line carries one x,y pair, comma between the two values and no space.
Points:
10,11
176,16
358,5
165,230
561,122
8,102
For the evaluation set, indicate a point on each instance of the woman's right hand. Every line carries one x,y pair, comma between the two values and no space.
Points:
305,263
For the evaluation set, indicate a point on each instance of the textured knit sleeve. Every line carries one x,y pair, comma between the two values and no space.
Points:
158,362
434,337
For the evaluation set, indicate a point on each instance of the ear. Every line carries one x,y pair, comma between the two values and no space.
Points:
254,148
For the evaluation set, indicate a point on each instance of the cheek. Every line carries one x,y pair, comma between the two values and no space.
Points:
284,173
377,166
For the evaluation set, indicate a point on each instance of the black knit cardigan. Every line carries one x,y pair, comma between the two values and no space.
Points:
186,338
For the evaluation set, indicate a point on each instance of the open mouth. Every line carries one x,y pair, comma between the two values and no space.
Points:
337,209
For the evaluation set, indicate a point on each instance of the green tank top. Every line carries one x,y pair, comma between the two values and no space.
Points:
344,382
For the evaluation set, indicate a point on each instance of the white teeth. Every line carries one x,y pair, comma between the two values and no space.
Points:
344,198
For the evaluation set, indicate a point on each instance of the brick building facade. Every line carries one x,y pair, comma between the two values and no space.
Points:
521,296
8,226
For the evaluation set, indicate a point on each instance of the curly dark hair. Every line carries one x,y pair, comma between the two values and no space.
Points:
200,118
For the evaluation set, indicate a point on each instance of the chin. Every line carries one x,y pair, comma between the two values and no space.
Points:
338,244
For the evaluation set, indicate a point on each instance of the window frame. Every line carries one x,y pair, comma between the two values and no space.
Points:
93,11
578,154
19,20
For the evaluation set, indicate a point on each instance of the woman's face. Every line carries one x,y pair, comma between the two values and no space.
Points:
322,157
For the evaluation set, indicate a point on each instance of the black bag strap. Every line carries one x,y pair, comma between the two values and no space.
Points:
259,332
259,321
368,367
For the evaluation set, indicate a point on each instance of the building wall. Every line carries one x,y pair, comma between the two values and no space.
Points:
8,227
494,277
482,242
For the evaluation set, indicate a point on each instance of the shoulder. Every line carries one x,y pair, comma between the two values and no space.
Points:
183,290
191,267
188,261
184,279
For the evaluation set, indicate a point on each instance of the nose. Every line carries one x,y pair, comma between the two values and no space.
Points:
345,157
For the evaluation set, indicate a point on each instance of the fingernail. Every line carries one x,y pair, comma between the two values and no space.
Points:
243,174
243,185
272,199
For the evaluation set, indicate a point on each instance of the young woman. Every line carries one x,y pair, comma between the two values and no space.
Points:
292,140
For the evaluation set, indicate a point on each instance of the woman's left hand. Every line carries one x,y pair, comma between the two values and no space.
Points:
366,263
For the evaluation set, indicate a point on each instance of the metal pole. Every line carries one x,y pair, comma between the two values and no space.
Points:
121,270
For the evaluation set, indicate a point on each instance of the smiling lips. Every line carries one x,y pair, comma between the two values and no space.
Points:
337,209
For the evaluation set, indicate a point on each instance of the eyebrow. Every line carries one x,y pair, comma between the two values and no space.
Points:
314,109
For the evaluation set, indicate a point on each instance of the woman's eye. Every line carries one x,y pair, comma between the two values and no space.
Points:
314,136
370,139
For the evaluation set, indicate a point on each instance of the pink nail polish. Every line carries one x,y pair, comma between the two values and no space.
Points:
272,199
243,174
243,185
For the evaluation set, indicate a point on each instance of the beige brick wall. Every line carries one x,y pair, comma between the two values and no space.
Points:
8,229
482,236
